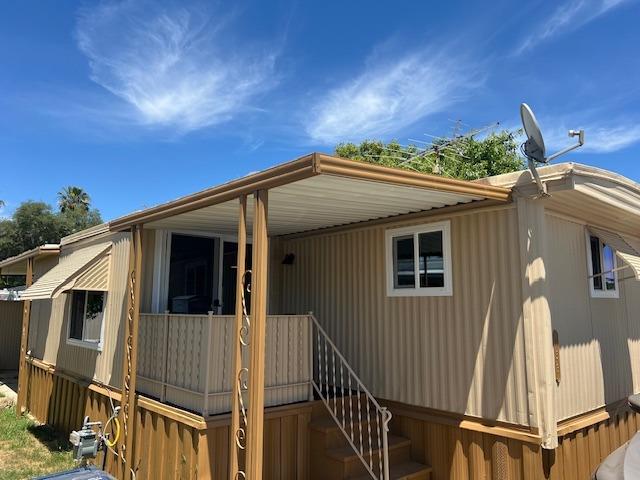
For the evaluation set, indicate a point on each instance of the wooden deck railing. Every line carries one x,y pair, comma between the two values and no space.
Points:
186,360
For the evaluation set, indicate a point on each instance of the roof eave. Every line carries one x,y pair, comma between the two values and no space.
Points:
302,168
42,250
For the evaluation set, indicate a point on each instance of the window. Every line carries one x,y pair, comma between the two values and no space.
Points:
193,274
419,260
603,281
85,318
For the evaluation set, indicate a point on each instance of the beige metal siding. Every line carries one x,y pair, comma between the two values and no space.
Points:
173,353
599,337
463,353
48,337
10,333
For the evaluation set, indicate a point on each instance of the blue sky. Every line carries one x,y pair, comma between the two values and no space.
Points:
140,102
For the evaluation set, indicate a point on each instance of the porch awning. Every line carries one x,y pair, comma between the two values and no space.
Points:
84,269
623,248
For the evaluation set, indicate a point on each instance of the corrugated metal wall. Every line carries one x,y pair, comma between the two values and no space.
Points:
463,353
48,330
11,332
599,337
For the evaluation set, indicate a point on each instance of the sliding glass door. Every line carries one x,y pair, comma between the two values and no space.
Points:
193,274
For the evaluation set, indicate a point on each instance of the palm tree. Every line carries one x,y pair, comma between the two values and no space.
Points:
73,198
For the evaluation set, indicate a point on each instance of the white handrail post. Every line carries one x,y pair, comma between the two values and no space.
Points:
386,418
205,403
355,439
165,355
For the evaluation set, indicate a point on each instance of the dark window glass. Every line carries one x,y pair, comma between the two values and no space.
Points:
596,263
403,262
77,314
191,274
431,259
87,311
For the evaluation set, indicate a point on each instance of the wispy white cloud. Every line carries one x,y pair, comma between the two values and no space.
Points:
172,65
388,96
570,15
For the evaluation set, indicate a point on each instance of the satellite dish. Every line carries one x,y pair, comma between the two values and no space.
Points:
534,149
534,146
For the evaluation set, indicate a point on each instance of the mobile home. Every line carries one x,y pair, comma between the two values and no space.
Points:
398,325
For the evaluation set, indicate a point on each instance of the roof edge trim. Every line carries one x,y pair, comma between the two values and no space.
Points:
298,169
366,171
46,249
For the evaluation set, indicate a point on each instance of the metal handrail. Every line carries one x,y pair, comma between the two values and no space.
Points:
330,387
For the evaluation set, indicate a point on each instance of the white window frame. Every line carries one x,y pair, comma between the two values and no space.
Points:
604,293
85,343
417,291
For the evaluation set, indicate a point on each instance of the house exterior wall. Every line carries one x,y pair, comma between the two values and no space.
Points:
48,325
462,353
599,337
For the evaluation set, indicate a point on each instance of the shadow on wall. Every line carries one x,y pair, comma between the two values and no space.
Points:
614,325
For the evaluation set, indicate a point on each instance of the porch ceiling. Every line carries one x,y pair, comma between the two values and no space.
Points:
318,202
314,192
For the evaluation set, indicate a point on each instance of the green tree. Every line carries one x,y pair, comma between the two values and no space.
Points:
35,223
465,158
73,198
72,221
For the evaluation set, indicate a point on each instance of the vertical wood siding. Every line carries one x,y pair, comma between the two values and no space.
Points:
49,324
463,353
10,334
460,454
599,337
165,446
179,360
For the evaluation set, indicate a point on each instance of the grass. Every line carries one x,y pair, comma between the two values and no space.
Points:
28,450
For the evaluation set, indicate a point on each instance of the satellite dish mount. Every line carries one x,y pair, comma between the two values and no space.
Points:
534,149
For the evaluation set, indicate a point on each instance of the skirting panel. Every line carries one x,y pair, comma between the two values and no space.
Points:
460,453
169,442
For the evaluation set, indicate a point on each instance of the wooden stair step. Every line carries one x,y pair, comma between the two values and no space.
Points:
328,425
405,471
346,454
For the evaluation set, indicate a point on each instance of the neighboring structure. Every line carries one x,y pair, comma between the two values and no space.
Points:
11,309
497,328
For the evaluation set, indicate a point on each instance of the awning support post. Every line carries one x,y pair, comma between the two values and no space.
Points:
259,278
130,354
23,374
237,432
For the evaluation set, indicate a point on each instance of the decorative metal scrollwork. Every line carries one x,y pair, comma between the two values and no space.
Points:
126,390
242,376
